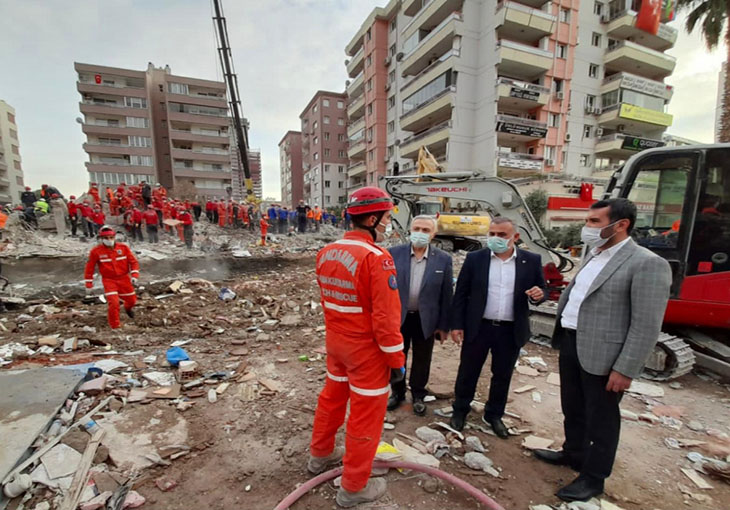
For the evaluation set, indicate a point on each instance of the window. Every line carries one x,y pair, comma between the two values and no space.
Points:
341,154
370,134
590,101
370,109
391,102
16,164
109,141
597,8
18,180
315,125
565,15
593,70
13,134
326,103
587,131
596,40
177,88
135,102
340,185
392,26
326,168
391,76
11,118
391,151
340,169
326,152
140,160
15,149
327,199
392,51
427,92
340,105
371,155
368,61
369,84
558,84
549,152
316,156
326,119
391,126
326,135
340,137
326,184
315,140
315,108
140,141
554,119
585,160
562,51
369,34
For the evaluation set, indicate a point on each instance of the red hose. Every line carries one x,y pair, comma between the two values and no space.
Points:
334,473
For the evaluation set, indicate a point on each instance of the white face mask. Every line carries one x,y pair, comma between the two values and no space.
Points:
592,235
108,242
388,228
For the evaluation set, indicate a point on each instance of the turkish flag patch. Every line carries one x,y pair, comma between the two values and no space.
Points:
388,264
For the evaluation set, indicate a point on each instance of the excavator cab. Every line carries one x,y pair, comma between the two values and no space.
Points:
683,199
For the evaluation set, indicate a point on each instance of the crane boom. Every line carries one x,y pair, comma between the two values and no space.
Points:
234,98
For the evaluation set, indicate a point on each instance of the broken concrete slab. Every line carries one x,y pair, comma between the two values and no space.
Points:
646,389
536,443
553,379
525,370
29,400
94,386
60,461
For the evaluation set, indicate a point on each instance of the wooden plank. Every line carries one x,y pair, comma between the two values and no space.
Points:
696,478
81,476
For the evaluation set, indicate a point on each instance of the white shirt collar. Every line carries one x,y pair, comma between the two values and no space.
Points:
425,254
612,250
511,257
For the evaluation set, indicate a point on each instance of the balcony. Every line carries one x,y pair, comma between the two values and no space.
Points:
180,171
355,127
522,61
103,129
357,149
630,57
199,100
198,118
119,168
355,87
518,22
411,7
436,139
632,118
520,96
511,129
86,87
637,83
516,164
355,65
620,146
434,111
120,149
356,170
430,72
356,108
622,26
437,42
213,157
112,109
193,136
430,16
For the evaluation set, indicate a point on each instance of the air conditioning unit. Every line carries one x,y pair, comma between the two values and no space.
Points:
597,110
549,162
589,108
605,18
347,83
599,131
560,95
621,128
387,87
387,61
567,137
399,56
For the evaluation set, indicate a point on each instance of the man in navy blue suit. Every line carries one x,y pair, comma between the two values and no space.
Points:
425,284
490,314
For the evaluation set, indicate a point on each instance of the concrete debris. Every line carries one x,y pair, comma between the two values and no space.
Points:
472,443
480,462
524,389
536,397
700,482
536,443
695,425
646,389
160,378
629,415
553,379
523,370
60,461
427,435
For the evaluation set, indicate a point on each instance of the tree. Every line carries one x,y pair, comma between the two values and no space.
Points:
712,16
184,190
537,202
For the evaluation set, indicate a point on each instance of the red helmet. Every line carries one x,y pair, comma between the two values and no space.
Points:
27,188
107,231
54,195
369,200
72,197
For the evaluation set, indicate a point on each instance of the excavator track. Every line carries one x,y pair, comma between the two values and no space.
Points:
672,358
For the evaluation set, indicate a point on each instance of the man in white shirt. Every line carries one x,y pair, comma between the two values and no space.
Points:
608,321
490,314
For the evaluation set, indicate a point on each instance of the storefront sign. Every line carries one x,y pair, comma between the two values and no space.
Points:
635,143
520,164
519,93
650,87
515,128
629,111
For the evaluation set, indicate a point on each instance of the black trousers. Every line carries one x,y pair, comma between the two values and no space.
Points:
420,360
505,351
592,416
74,224
196,212
152,233
137,232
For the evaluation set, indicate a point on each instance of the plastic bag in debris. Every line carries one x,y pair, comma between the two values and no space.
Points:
175,355
226,294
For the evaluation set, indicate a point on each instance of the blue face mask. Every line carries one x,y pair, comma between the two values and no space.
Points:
497,244
420,239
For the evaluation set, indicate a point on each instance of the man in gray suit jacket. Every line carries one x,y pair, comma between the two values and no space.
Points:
607,324
425,285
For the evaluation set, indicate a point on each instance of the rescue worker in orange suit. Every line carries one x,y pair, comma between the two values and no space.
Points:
187,227
222,210
264,229
360,299
94,192
119,272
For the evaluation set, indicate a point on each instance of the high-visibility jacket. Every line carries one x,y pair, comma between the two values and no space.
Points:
359,293
317,214
115,262
310,214
42,206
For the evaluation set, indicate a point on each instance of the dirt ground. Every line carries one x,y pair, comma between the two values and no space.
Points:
249,448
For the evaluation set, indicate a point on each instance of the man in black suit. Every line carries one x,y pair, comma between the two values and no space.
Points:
490,313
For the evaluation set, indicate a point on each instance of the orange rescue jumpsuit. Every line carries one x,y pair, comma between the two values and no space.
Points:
117,267
362,314
222,209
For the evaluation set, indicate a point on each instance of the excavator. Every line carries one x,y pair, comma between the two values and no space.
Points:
683,199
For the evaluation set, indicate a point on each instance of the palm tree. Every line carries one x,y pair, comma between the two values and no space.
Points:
712,15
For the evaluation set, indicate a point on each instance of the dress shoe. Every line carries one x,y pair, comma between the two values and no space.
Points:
498,426
582,488
557,458
394,401
419,407
457,421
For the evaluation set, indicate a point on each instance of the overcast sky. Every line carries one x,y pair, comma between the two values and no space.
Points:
283,50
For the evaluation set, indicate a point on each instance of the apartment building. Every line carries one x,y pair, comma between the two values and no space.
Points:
324,149
719,102
155,126
254,165
290,168
11,168
504,87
